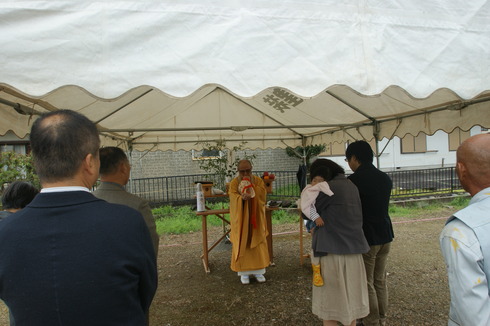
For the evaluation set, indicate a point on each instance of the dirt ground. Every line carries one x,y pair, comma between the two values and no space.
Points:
188,296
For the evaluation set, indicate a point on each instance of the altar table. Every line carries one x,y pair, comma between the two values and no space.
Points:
220,213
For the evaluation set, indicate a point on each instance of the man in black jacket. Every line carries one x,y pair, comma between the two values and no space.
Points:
374,189
69,258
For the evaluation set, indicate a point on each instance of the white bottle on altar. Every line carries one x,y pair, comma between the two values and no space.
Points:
200,198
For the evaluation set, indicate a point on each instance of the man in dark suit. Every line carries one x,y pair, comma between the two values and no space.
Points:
114,175
375,190
69,258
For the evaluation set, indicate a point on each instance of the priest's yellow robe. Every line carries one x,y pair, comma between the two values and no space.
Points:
249,245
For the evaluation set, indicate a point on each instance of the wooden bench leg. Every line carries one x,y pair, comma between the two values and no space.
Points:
302,254
268,217
205,251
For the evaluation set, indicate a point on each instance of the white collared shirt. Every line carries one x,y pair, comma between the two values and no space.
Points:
64,189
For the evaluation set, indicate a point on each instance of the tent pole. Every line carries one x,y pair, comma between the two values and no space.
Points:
21,109
387,143
303,142
130,158
122,107
376,141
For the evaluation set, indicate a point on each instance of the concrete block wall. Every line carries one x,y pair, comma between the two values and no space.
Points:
274,160
175,163
162,164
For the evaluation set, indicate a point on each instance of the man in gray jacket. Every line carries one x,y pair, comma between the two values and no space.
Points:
114,175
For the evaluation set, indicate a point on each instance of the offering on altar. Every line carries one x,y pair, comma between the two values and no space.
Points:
268,178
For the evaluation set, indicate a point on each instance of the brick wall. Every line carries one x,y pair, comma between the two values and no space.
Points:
174,163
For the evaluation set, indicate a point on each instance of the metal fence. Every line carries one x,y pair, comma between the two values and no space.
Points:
168,190
177,190
409,183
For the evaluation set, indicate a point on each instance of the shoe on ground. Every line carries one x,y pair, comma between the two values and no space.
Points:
245,279
260,278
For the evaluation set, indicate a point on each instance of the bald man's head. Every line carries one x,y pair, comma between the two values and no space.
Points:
473,163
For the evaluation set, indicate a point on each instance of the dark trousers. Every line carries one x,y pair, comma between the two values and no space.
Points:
375,264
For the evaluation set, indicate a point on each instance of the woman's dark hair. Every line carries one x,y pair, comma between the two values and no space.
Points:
18,194
361,150
60,140
325,168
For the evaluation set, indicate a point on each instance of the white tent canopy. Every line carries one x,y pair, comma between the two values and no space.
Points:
166,75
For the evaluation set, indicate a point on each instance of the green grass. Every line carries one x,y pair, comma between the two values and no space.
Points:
293,190
182,219
421,193
286,190
414,209
284,216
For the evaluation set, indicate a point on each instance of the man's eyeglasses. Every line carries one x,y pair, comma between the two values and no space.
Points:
245,171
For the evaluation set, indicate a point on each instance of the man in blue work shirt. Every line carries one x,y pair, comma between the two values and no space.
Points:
465,240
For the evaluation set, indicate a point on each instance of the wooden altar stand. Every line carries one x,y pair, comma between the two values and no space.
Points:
302,254
220,213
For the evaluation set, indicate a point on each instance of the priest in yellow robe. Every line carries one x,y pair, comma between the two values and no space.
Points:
250,252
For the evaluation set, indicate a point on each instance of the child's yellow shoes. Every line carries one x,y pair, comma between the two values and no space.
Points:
317,276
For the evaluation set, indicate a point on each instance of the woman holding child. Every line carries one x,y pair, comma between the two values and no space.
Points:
338,245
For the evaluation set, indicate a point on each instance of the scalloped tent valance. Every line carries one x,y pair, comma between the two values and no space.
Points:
438,55
145,118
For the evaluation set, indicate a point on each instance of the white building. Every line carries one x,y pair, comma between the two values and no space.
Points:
419,152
